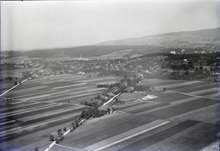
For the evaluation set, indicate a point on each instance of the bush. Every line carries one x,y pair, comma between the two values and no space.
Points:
51,137
92,112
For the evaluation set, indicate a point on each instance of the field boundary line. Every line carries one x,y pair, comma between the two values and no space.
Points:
24,111
107,144
67,86
174,85
172,104
199,92
172,138
213,95
77,149
198,96
193,111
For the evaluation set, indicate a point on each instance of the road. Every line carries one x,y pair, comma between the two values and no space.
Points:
167,106
69,130
12,88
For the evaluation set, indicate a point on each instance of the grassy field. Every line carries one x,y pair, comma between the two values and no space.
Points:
55,100
46,102
91,133
139,144
187,111
192,140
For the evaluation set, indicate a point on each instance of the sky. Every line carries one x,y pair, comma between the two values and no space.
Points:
32,25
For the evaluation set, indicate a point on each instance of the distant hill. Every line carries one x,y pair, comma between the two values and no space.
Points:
85,51
184,39
129,47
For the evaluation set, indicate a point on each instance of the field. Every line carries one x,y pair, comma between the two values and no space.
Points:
44,104
180,118
188,107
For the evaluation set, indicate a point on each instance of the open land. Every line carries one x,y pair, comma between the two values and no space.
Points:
38,107
183,117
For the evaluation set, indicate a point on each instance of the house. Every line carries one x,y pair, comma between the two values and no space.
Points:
173,52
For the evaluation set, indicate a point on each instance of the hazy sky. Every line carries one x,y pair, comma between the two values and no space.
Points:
50,24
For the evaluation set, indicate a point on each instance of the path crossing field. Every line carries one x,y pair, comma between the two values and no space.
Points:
41,105
39,100
176,105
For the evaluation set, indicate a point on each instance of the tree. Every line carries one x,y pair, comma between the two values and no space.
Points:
83,114
73,125
201,67
108,110
80,121
186,72
57,140
190,64
59,132
76,123
51,137
164,89
98,97
61,138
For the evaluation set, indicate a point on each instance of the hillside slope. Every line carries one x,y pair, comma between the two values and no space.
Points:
133,46
189,39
